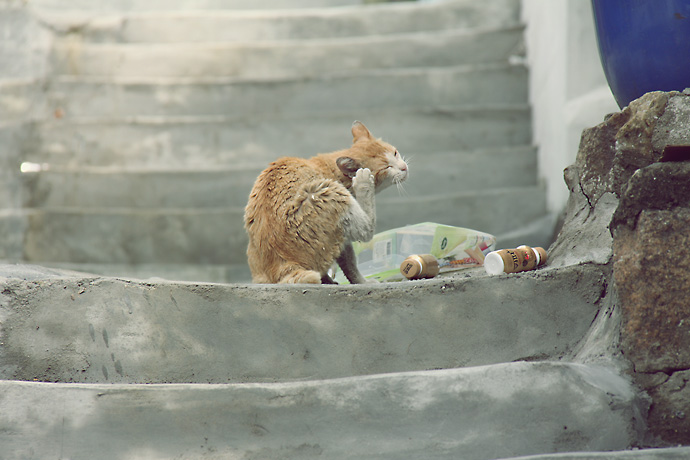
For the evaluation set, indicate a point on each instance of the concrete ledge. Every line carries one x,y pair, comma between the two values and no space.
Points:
674,453
98,330
474,414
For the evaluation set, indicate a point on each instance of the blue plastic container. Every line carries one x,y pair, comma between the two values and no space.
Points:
644,45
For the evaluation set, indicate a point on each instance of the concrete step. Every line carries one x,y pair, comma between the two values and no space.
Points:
287,58
432,174
217,236
101,6
175,26
189,273
668,453
361,90
483,210
25,44
21,100
176,142
13,226
474,414
81,328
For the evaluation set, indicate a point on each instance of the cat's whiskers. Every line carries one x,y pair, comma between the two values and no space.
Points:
399,182
401,188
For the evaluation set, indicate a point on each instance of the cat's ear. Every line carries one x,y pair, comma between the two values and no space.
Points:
359,131
348,166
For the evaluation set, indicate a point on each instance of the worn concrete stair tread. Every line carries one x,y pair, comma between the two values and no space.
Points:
90,329
473,413
185,26
193,141
668,453
434,173
356,90
187,272
217,236
288,58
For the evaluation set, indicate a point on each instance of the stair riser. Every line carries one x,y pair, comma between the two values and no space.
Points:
393,18
165,5
481,86
21,100
488,210
25,44
201,142
13,227
432,174
290,59
217,236
126,237
15,137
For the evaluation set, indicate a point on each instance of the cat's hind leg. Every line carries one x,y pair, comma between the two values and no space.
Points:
302,276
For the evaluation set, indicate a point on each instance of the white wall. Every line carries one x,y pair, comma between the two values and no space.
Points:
568,89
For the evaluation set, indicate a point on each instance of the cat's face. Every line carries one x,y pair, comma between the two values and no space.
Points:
395,172
380,157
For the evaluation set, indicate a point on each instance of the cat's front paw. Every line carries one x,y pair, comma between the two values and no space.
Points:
363,182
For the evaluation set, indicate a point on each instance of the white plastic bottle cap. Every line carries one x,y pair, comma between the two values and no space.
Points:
493,263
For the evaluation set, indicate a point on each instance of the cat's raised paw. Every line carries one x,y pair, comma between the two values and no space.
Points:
363,180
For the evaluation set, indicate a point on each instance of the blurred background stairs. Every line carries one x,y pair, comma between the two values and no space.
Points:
156,117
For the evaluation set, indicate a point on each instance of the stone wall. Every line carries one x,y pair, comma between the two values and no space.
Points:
629,209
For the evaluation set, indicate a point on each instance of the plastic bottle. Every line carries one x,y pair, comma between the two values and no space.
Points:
419,266
516,260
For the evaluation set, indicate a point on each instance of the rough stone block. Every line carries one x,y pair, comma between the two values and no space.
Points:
651,232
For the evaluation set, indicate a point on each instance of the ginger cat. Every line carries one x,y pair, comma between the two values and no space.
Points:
303,214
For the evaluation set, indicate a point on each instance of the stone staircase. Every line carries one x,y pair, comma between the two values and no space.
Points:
471,367
142,168
160,117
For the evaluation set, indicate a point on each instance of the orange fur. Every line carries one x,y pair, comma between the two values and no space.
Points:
302,213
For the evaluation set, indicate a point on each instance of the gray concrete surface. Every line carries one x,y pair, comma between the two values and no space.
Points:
216,235
211,25
228,186
285,59
473,414
356,90
669,453
101,6
99,330
165,142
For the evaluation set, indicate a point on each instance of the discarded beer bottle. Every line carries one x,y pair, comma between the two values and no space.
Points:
521,259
